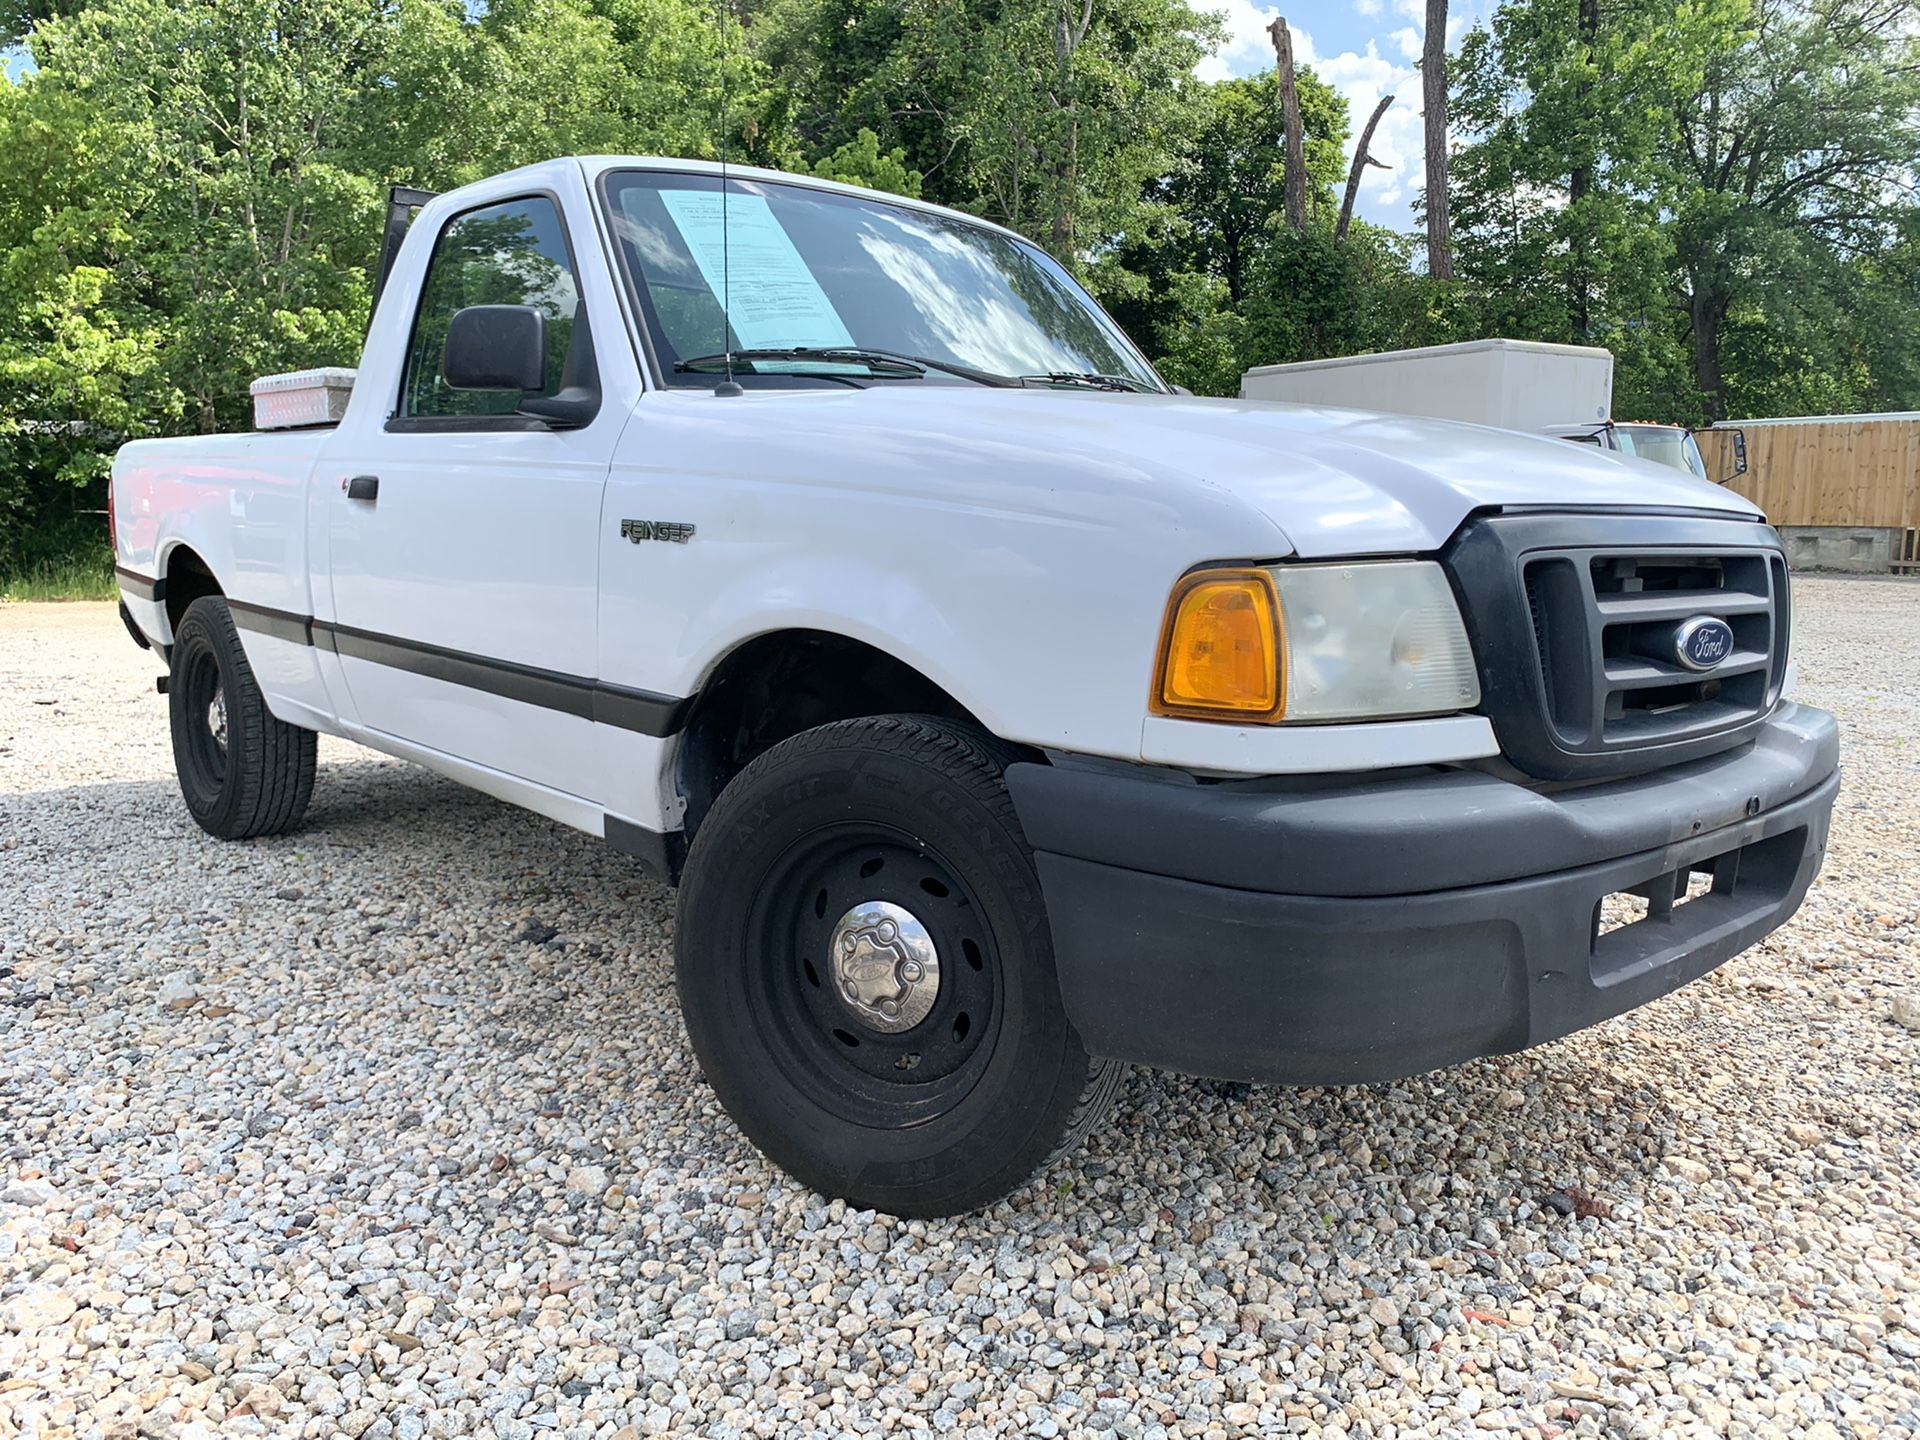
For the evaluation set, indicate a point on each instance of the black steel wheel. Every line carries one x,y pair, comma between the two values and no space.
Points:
242,772
867,974
820,927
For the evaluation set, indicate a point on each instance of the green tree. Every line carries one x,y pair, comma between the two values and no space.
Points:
1700,190
1050,117
1193,269
861,162
18,17
1227,182
1799,139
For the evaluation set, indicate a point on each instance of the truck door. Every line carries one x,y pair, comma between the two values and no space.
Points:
464,535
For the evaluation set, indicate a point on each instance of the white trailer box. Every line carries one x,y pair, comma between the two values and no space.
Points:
1514,384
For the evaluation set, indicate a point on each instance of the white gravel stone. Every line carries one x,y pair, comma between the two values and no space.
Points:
177,992
1689,1169
39,1307
587,1180
357,1167
29,1192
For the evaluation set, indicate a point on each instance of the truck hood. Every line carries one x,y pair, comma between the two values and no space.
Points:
1334,482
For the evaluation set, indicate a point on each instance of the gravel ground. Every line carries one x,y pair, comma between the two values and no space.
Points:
390,1129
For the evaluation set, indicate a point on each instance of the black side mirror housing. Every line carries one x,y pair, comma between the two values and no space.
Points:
577,400
1739,454
496,347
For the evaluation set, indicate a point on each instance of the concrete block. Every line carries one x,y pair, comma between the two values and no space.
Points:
1855,549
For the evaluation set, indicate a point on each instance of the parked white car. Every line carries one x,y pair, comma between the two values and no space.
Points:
1002,715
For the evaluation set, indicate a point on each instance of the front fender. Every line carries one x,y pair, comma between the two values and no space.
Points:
896,618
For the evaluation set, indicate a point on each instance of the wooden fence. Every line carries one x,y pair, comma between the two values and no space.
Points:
1846,470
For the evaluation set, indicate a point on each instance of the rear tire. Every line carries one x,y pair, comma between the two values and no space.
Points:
242,772
930,1069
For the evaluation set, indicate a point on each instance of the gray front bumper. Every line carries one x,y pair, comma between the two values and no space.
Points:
1347,930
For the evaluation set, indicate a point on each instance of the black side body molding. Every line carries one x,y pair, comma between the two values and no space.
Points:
141,587
638,710
280,624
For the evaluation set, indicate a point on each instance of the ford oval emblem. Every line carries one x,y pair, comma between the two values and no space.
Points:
1702,642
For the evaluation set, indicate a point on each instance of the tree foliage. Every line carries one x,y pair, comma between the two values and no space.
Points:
1723,194
1731,179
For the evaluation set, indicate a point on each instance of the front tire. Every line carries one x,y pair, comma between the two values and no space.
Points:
867,974
242,772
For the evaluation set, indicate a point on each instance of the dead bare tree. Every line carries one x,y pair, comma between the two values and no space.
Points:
1361,159
1296,187
1433,86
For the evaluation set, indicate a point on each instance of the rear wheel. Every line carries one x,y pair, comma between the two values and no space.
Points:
867,974
242,772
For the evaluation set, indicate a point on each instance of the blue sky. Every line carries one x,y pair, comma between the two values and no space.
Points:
1364,49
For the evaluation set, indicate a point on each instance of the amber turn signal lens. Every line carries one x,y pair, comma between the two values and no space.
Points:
1220,649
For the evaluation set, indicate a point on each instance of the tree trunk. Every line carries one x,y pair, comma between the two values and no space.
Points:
1361,159
1708,308
1580,181
1433,85
1067,38
1066,180
1296,190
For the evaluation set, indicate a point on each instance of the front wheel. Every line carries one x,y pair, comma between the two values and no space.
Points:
867,974
242,772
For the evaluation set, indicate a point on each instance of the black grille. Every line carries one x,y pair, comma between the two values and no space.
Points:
1575,620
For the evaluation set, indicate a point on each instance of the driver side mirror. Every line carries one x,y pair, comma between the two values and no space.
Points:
496,347
1735,446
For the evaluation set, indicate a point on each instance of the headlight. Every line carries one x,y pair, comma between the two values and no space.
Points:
1372,641
1361,640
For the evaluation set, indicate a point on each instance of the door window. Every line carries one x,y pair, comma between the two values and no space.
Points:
513,253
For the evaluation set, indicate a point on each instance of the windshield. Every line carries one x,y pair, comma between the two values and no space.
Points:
1663,444
810,269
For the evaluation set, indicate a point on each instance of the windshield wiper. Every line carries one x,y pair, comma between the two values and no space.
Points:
1093,380
886,362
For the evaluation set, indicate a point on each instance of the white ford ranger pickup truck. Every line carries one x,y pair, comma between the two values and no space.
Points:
1003,715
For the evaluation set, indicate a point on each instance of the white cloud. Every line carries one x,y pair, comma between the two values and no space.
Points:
1367,8
1459,16
1244,44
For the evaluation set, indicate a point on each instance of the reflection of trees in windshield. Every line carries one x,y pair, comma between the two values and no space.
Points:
686,313
899,279
989,305
495,256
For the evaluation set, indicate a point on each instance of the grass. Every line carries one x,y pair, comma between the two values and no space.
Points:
73,577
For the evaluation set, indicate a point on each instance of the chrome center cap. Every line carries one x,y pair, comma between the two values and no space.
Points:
217,718
885,966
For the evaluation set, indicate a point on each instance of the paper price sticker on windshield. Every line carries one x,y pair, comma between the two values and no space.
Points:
773,299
